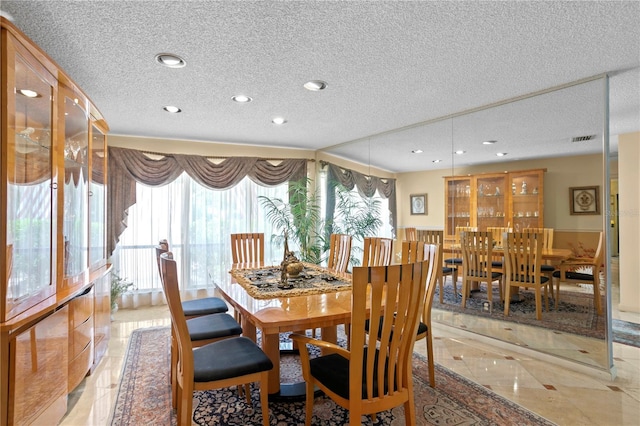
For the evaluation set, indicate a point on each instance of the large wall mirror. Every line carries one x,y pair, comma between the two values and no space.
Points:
563,131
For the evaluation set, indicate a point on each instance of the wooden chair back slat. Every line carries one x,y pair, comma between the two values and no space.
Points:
247,248
377,251
339,252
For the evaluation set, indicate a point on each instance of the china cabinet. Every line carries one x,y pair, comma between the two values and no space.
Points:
510,199
54,298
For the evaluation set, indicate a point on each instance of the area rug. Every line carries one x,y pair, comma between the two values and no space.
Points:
627,333
144,397
575,314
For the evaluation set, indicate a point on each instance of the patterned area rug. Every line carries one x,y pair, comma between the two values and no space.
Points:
575,314
144,397
627,333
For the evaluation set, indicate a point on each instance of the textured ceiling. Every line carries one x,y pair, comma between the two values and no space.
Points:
389,65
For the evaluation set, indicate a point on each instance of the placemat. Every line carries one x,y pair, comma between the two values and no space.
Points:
264,283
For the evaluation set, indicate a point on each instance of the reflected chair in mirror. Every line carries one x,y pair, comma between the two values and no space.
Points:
496,233
196,307
339,252
457,261
229,362
523,258
376,374
583,271
203,329
247,248
410,234
377,251
477,258
547,269
433,236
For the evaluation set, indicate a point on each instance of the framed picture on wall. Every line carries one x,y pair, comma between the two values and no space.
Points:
418,203
584,200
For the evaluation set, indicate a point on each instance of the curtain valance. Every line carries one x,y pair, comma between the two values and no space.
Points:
128,166
366,185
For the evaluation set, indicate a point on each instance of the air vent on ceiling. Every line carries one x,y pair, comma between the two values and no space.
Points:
583,138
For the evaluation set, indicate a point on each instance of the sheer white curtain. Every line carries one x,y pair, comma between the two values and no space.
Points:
197,223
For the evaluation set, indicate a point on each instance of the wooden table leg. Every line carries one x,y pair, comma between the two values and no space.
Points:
330,334
271,347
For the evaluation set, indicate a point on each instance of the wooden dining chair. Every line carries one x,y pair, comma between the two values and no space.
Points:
377,251
339,252
421,252
203,329
477,255
195,307
567,272
546,268
410,234
523,257
432,236
230,362
376,373
457,261
247,248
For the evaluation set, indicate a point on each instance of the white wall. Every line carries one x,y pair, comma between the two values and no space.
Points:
629,213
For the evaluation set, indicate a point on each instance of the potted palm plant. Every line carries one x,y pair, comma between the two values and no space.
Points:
118,287
299,217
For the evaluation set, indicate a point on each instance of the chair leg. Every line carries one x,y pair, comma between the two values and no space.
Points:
174,361
247,392
538,304
430,362
264,397
410,410
507,299
441,281
309,403
465,290
454,277
185,406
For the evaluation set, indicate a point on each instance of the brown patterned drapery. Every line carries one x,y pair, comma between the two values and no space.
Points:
128,166
367,186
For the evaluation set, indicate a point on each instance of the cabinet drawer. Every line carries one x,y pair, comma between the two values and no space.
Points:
82,336
82,308
79,367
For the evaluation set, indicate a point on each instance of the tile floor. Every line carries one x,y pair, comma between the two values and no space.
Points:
560,394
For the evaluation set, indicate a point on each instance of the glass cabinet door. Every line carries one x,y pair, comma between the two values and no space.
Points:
491,208
76,186
458,204
526,194
31,204
97,200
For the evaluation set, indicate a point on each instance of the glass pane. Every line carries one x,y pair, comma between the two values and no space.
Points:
97,193
76,203
29,200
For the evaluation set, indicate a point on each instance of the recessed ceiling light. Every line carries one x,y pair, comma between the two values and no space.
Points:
460,152
29,93
488,142
242,99
417,151
278,120
172,109
436,161
315,85
501,154
170,60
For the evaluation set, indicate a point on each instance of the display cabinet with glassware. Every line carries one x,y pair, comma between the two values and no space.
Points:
512,199
52,168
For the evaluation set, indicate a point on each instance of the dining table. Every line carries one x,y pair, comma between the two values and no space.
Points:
273,310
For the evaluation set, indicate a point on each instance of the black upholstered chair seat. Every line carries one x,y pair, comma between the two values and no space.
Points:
547,268
333,371
496,264
234,357
527,279
576,276
453,261
213,327
483,274
447,270
204,306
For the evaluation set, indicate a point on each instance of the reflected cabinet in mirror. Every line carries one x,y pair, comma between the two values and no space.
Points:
509,167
